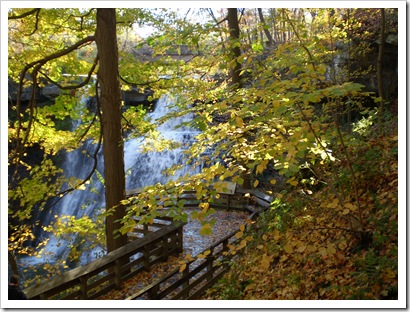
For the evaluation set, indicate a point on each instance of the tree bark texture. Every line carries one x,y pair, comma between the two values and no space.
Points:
235,46
265,29
379,63
113,148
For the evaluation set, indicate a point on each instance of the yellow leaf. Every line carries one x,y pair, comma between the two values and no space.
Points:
333,204
273,181
207,252
276,234
239,235
239,121
264,237
351,207
311,248
389,274
288,248
201,256
301,249
342,245
189,257
256,183
293,182
331,250
323,251
242,227
265,262
182,268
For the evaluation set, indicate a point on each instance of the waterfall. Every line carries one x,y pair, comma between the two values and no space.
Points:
147,168
142,169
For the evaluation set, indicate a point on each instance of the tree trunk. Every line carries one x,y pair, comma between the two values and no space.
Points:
113,148
275,27
235,46
265,29
236,82
379,65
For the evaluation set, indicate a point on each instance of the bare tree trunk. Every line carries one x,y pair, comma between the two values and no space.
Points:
236,51
379,65
265,29
275,27
113,149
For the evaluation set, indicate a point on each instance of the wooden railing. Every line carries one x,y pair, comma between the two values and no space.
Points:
198,275
235,200
108,272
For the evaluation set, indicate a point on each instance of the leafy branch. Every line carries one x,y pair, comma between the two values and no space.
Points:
14,157
341,201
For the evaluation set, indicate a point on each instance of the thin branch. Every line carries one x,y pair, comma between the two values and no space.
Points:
35,25
94,155
300,41
72,87
148,83
13,17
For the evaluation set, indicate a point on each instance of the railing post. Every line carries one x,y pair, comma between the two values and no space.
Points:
209,267
180,239
165,248
117,272
229,201
83,288
146,231
153,292
186,284
146,258
225,245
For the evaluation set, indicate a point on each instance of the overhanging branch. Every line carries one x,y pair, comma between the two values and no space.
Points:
13,17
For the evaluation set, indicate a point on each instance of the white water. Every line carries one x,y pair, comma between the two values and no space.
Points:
142,169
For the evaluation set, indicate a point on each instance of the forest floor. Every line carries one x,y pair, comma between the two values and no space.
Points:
310,246
193,244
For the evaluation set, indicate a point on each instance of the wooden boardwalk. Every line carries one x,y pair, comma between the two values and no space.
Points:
150,244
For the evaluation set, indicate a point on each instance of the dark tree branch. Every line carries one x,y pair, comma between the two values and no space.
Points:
77,86
36,24
13,17
81,17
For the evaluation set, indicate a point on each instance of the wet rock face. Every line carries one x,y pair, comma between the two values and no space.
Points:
136,97
49,92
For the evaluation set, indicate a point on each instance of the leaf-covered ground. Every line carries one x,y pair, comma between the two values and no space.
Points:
309,247
193,242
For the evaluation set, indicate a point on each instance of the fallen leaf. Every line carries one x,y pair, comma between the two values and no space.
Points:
288,249
182,268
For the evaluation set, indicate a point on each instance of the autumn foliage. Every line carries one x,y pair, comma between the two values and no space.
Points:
307,247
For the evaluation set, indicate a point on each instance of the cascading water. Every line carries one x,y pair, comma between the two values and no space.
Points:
147,168
142,169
